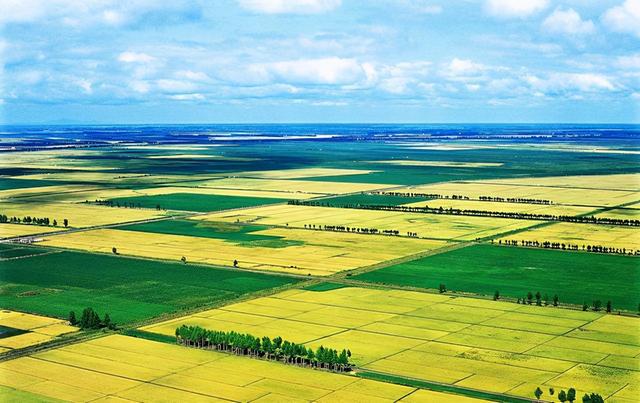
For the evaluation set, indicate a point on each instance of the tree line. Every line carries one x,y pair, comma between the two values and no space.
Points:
522,200
45,221
91,320
477,213
342,228
570,396
124,204
276,349
568,246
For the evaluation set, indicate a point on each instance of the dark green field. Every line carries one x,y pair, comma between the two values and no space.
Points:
128,289
12,183
370,199
235,233
576,277
195,202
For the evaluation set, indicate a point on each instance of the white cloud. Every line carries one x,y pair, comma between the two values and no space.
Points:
330,71
193,75
289,6
514,8
167,85
563,82
624,18
85,84
567,22
462,67
629,62
188,97
134,57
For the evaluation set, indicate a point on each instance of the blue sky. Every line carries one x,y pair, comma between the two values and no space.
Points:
101,61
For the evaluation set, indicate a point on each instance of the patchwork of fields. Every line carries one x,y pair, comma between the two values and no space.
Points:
19,330
120,368
486,345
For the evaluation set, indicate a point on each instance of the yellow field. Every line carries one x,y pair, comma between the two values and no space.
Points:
299,173
485,345
125,368
79,215
323,252
452,164
199,156
12,230
621,213
291,186
40,329
113,177
557,209
585,234
592,197
52,159
426,225
42,191
616,181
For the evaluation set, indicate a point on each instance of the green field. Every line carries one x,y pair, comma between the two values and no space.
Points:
195,202
234,233
128,289
370,199
576,277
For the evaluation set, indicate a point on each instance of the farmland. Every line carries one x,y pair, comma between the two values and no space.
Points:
486,345
575,277
313,241
128,289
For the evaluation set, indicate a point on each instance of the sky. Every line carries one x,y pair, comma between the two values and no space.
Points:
275,61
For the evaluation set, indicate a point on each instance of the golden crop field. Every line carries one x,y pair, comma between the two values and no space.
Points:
486,345
43,192
426,225
78,214
614,182
288,185
321,252
14,230
39,329
592,197
130,369
584,234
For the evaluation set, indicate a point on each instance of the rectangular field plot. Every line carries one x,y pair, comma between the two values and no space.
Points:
124,368
618,237
292,186
78,214
296,251
440,338
425,225
19,330
615,182
15,230
577,196
515,271
554,209
193,202
127,289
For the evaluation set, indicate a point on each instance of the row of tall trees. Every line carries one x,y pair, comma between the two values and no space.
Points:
539,299
32,220
570,396
276,349
91,320
478,213
111,203
568,246
342,228
462,197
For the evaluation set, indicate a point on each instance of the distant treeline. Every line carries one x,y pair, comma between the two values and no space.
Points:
46,221
125,204
477,213
342,228
568,246
276,349
463,197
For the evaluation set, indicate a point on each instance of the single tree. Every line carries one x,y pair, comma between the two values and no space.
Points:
586,398
65,222
496,295
529,297
72,318
538,393
55,223
538,299
442,288
585,306
597,305
106,321
552,391
114,250
235,263
183,259
562,396
555,300
571,395
608,306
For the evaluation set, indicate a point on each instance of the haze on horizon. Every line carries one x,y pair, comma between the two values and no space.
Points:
143,61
